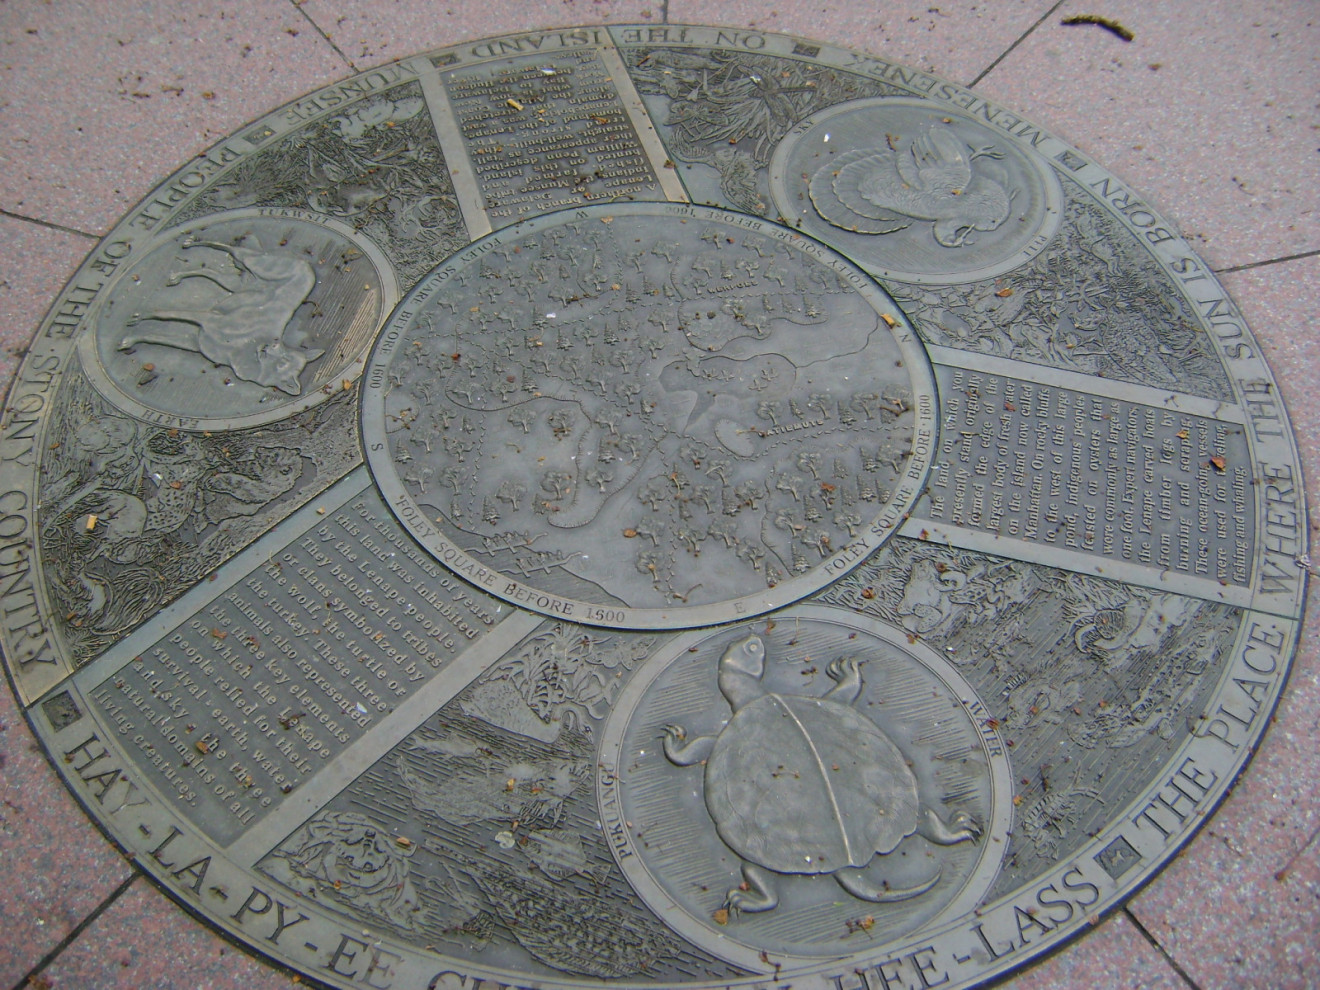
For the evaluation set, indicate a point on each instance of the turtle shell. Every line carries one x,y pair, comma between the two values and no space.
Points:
808,785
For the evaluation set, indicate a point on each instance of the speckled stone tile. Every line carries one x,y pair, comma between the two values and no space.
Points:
143,941
56,866
368,32
1210,113
83,138
958,41
1251,929
1255,861
35,261
1116,949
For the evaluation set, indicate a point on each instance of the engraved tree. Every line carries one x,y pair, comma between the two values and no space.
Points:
866,403
512,493
655,492
750,494
595,476
849,521
557,484
560,423
692,537
652,562
522,417
723,528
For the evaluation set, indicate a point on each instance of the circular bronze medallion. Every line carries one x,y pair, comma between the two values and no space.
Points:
649,416
239,318
443,554
840,785
916,191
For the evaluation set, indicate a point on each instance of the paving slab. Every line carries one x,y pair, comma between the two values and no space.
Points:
368,33
1117,949
144,941
84,138
1209,114
1254,929
958,42
57,869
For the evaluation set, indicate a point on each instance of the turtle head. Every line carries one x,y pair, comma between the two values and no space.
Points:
747,656
741,668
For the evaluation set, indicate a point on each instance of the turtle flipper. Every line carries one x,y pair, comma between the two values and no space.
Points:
685,755
757,894
855,881
961,828
846,672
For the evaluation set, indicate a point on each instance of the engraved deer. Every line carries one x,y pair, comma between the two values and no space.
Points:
243,328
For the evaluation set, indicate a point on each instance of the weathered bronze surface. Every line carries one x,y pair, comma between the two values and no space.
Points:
655,506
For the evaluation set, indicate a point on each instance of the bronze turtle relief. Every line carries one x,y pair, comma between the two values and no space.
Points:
838,777
647,506
807,785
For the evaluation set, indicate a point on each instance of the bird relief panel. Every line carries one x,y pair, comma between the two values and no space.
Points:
915,192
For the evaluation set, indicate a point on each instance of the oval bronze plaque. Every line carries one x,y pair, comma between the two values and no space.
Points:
445,555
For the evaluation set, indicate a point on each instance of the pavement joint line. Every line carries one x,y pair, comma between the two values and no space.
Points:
78,929
1282,874
48,223
337,50
1173,963
1268,261
1009,50
664,11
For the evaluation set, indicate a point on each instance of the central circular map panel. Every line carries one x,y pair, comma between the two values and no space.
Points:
649,415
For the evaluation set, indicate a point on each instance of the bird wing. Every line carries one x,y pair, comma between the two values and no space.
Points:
937,164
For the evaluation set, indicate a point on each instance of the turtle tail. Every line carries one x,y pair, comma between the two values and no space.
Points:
855,881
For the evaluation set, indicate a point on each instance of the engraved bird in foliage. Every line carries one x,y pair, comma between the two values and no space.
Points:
930,177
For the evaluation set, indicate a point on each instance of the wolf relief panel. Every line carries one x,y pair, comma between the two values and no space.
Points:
240,318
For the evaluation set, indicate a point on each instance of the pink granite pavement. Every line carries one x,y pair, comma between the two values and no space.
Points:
1211,113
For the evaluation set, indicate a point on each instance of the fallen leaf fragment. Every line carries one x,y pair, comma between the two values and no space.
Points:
1108,23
